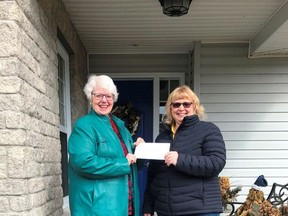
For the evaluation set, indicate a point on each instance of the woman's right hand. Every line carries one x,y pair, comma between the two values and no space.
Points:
138,141
131,158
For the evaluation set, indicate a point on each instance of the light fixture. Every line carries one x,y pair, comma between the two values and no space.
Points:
175,7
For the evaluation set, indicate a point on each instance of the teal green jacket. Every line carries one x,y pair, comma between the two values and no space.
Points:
98,168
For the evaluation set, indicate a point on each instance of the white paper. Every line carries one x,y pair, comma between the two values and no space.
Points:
154,151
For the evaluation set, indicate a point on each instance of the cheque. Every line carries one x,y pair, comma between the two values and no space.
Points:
154,151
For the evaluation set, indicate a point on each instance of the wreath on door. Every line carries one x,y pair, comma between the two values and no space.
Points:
129,114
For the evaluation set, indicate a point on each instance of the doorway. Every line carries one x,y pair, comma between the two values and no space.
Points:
140,94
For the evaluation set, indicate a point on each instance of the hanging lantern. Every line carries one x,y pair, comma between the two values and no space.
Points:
175,7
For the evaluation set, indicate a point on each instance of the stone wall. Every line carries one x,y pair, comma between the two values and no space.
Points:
58,17
30,156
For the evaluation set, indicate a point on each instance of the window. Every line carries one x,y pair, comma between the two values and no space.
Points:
61,92
166,87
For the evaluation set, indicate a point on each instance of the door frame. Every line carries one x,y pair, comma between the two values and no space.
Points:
155,77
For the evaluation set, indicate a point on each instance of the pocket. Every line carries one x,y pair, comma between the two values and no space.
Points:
102,148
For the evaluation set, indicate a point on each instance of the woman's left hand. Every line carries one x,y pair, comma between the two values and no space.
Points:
131,158
171,158
138,141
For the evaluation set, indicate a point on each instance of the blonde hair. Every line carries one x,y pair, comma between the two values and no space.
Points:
182,92
101,81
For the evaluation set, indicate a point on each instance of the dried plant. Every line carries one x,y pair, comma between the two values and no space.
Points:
256,204
228,194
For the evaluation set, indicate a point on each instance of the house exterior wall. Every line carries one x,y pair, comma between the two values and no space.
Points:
248,100
30,168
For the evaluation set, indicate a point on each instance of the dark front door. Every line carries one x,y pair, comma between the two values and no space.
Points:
140,94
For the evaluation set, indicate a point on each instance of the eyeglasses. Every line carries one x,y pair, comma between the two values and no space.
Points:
99,96
185,104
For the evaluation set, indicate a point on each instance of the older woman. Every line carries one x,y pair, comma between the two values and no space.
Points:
186,183
102,169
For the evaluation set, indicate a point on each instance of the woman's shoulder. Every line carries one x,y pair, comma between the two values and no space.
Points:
207,123
208,126
82,123
86,120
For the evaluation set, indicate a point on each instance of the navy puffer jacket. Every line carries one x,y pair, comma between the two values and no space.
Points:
192,186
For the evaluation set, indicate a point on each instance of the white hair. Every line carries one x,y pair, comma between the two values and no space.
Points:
101,81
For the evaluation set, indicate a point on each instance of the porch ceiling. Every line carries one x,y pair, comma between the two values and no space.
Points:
139,26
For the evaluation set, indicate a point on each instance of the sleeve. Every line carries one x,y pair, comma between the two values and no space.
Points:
84,160
213,158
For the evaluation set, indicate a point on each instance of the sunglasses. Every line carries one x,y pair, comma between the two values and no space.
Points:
185,104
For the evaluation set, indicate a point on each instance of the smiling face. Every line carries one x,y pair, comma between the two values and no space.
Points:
102,101
181,108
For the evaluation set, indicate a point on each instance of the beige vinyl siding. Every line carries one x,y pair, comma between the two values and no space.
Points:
248,100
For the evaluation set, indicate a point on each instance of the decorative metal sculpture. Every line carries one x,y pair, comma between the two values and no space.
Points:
278,195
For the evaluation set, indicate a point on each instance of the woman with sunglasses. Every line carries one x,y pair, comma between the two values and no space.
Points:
186,182
102,166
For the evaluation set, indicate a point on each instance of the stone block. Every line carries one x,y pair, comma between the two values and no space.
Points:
3,166
9,42
2,120
11,102
35,140
12,137
10,84
36,184
3,170
17,120
21,203
4,204
13,187
9,66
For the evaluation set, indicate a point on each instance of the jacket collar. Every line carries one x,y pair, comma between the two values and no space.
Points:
106,118
187,122
190,120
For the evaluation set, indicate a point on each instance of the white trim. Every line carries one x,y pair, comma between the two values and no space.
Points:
197,67
63,53
156,100
155,77
65,202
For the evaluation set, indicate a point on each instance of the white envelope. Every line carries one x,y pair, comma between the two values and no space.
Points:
155,151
